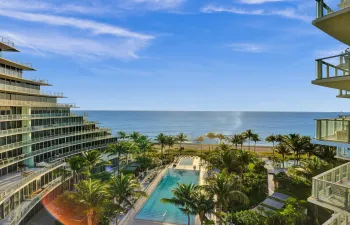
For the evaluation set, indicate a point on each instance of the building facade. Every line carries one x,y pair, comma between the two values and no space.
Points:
331,189
36,135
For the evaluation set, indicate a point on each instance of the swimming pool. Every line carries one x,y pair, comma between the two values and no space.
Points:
186,161
154,210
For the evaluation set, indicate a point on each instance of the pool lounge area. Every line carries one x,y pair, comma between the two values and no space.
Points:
154,210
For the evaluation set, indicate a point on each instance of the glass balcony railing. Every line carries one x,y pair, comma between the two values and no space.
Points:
24,90
16,216
5,102
20,144
338,219
333,66
333,129
10,161
19,74
12,189
37,116
332,187
43,127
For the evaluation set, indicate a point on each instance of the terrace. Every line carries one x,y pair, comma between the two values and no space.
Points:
331,189
7,45
12,182
333,72
333,20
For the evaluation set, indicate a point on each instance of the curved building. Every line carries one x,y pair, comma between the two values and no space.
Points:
36,135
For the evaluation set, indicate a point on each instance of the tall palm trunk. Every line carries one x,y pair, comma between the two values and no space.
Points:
189,219
90,217
117,218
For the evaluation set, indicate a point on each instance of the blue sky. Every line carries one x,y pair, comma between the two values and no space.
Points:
234,55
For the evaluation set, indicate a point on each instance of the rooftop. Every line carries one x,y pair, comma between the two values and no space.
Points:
7,45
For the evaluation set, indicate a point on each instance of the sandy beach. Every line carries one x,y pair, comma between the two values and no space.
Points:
193,146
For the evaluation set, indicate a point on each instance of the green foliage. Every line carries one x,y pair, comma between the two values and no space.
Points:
102,176
246,217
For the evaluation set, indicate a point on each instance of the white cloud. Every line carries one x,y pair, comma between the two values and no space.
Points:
247,47
259,1
287,13
156,4
47,44
215,9
83,24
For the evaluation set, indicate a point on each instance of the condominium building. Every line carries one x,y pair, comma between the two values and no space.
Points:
36,135
331,189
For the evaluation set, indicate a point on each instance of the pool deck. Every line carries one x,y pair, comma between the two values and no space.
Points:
129,219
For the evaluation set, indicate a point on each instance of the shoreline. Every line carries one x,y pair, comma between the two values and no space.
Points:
205,147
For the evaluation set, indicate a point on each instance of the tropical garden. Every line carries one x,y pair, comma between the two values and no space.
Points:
236,181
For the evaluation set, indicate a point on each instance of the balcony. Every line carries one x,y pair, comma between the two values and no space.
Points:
44,127
337,219
19,64
334,21
7,45
14,117
11,183
24,208
332,189
13,160
333,72
333,130
29,91
4,102
17,75
20,144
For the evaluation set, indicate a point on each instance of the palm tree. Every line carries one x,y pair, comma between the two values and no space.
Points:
135,136
272,139
77,165
161,139
325,152
144,144
221,137
181,137
122,135
235,140
282,149
183,199
248,134
241,140
255,138
202,204
170,141
121,147
93,159
92,194
279,138
211,136
124,188
295,144
200,140
225,188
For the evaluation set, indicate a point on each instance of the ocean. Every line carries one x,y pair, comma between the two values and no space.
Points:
195,124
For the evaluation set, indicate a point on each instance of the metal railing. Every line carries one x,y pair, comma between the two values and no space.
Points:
42,127
7,42
24,156
333,66
20,144
16,216
329,187
19,74
337,219
5,102
333,129
322,9
37,116
13,188
29,90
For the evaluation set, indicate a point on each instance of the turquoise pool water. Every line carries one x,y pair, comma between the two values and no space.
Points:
186,161
154,210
